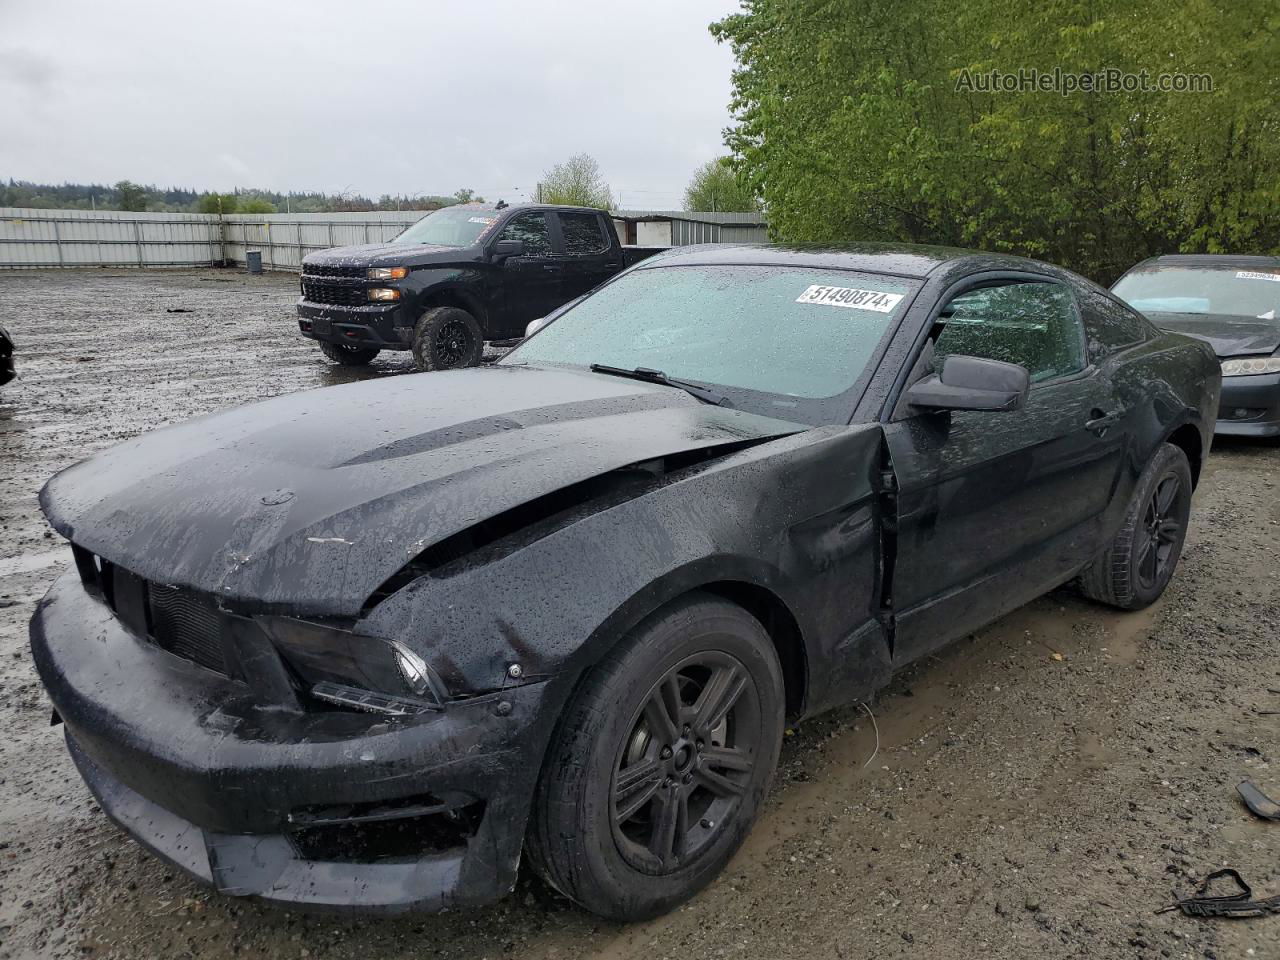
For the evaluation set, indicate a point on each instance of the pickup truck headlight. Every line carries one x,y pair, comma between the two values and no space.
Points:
388,273
1250,366
383,294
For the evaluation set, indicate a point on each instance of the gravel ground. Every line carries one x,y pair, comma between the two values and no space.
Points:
1038,790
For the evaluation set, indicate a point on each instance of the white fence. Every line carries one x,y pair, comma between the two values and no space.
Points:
113,238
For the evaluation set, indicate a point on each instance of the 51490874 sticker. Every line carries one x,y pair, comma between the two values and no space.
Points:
853,298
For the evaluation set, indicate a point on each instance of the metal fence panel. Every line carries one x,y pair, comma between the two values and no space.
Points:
115,238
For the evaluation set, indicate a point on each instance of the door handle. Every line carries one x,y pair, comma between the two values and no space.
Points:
1100,422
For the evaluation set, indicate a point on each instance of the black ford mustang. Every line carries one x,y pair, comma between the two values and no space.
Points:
364,646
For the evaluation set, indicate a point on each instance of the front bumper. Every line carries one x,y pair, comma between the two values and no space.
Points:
384,326
240,796
1250,406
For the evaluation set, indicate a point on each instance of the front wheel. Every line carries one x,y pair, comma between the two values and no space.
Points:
661,761
447,338
348,356
1138,564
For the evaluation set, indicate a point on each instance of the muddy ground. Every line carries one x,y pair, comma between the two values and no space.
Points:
1039,790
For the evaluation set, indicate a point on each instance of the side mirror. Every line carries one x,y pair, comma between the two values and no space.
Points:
534,326
972,383
508,248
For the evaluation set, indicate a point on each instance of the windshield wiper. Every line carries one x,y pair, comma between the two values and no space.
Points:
657,376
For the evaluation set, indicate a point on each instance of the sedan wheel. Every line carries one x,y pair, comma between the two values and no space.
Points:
661,761
1138,564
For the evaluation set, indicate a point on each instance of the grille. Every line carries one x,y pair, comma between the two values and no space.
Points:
335,294
321,270
188,625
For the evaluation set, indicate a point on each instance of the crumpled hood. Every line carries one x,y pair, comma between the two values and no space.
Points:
1230,336
308,502
395,254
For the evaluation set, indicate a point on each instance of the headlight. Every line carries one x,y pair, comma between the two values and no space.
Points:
388,273
1250,366
383,294
343,667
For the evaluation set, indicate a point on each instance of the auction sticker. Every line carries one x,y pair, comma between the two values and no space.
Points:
852,298
1251,275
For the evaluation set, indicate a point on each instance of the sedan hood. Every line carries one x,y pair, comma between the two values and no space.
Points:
308,502
1230,336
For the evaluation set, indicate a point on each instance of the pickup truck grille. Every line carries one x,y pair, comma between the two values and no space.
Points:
319,270
316,290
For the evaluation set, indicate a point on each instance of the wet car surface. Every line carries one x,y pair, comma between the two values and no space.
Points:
938,725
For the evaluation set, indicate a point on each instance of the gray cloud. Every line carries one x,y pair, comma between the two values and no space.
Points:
375,97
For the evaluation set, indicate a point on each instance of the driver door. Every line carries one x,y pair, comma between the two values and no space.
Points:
995,508
529,285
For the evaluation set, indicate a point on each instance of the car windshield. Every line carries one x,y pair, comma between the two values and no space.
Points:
790,342
1234,291
450,227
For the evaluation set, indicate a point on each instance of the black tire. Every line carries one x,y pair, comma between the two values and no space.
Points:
447,338
611,775
1137,565
348,356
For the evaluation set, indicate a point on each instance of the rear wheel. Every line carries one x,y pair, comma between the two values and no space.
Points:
661,761
447,338
346,355
1134,570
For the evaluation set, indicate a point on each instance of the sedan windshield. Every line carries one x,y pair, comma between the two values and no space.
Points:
450,227
790,342
1233,291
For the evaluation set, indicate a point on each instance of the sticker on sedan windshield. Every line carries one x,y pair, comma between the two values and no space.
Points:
1251,275
851,297
481,219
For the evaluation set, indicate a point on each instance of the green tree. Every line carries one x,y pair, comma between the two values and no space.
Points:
466,195
577,181
217,203
251,204
909,144
716,187
131,196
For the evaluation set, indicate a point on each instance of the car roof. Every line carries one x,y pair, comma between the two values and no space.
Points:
1208,260
509,207
899,259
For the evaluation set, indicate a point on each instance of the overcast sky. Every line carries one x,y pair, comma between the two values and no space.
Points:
368,96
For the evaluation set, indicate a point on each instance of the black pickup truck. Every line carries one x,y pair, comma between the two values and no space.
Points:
456,278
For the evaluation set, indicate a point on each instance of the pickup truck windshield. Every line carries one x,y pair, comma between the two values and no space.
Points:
450,227
789,342
1235,291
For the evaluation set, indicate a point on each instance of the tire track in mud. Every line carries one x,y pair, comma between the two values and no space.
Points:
1039,789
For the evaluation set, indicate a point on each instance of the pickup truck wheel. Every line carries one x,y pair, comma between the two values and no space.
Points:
1136,567
348,356
447,338
659,764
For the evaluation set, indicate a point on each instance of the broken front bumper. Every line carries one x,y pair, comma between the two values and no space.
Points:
330,809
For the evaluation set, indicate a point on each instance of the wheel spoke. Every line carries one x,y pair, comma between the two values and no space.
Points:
1165,494
634,786
717,698
1168,531
1147,561
726,758
663,725
671,825
717,783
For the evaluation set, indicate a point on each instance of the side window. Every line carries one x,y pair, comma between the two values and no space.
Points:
1111,323
582,233
1032,324
532,229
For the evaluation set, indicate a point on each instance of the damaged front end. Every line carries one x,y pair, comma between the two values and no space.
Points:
295,761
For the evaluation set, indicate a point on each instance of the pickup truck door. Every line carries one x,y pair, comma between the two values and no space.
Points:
529,286
591,252
995,508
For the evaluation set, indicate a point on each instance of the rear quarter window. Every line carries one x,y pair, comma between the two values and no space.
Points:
1110,323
